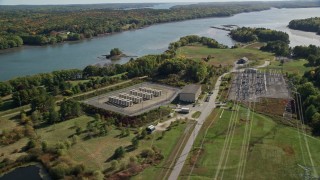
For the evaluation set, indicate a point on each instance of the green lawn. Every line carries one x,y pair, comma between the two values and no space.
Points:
225,57
196,114
76,82
274,152
294,66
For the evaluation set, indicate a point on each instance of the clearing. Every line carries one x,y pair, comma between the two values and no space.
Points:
225,57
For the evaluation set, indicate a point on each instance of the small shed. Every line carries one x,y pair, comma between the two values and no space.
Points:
150,129
243,60
190,93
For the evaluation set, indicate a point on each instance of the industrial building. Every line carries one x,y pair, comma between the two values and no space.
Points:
134,96
190,93
120,101
155,92
135,99
144,95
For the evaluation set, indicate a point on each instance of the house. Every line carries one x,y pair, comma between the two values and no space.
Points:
243,60
190,93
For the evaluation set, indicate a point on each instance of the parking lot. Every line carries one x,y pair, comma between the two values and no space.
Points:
250,85
168,94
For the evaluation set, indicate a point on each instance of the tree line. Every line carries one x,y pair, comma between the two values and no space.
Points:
308,85
247,34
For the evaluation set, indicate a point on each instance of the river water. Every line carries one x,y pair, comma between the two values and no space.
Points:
150,40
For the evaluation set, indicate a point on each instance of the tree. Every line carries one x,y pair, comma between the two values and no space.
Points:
127,132
307,89
5,89
115,52
316,124
147,153
135,142
1,102
36,117
69,109
90,71
119,152
53,117
31,144
310,112
60,170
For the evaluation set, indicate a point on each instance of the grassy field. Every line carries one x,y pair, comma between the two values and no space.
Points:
171,146
7,124
225,57
274,152
294,66
95,152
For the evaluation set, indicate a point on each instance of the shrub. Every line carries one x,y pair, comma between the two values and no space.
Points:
147,153
31,144
114,165
98,175
119,152
59,171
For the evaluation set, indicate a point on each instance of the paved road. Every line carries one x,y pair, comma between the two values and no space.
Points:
207,109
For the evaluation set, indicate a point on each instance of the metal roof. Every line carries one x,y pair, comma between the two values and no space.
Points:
191,88
244,58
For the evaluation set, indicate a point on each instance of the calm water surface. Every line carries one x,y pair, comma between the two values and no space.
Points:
151,40
23,173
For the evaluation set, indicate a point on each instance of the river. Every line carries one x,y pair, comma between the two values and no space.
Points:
151,40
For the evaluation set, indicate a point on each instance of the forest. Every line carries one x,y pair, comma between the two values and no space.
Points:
308,85
41,25
276,41
309,24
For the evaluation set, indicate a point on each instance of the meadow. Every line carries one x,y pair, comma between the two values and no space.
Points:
275,151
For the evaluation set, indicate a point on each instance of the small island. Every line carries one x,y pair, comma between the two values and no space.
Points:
115,54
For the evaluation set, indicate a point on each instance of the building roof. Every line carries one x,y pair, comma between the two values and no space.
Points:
191,88
245,59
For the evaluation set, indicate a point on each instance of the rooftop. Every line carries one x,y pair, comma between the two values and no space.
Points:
245,59
191,88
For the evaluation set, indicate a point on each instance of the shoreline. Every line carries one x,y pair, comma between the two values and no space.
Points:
4,51
9,50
